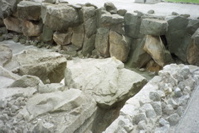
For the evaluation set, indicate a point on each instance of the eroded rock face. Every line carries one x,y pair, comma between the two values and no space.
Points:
153,27
101,41
177,38
106,79
119,46
59,17
13,24
48,66
29,10
155,47
5,55
30,29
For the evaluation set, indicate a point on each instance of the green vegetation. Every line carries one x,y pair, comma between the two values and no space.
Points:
186,1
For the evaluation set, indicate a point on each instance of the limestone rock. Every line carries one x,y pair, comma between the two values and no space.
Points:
89,18
119,46
192,54
5,55
48,66
157,50
7,7
177,38
62,38
122,12
111,19
26,81
192,26
29,10
89,45
132,24
107,80
30,29
59,16
78,36
195,38
101,41
73,104
138,57
48,88
153,27
13,24
47,34
110,7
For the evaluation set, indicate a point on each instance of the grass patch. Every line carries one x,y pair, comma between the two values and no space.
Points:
186,1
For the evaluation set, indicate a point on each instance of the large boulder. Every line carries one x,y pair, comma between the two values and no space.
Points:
108,19
192,26
76,107
195,38
62,38
110,7
106,79
89,18
101,41
89,45
8,7
13,24
119,46
177,38
78,36
30,29
153,27
5,55
47,34
192,55
138,57
29,10
155,47
132,24
59,16
48,66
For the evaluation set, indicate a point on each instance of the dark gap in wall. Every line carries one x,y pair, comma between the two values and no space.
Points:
164,41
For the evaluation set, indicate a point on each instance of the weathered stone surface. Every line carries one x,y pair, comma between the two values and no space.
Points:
62,38
89,18
48,66
108,19
13,24
26,81
59,16
192,54
177,38
192,26
132,24
155,47
138,57
47,34
78,36
89,45
119,46
48,88
7,7
101,41
29,10
122,12
5,55
195,38
73,104
30,29
153,27
107,80
110,7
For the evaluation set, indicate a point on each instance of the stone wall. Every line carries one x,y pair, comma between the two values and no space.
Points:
139,40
